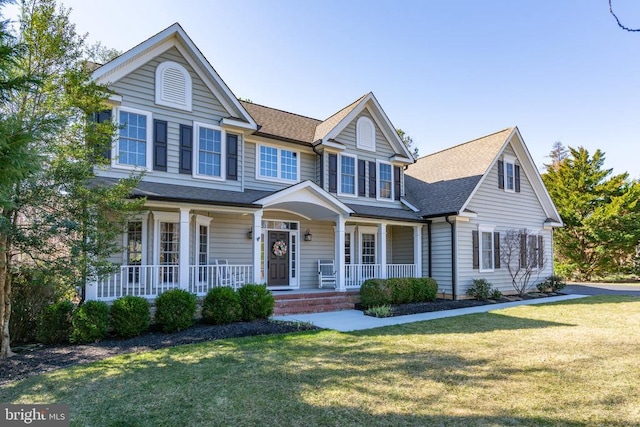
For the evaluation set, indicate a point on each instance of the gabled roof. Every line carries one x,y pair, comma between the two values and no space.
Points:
443,183
328,125
282,124
170,37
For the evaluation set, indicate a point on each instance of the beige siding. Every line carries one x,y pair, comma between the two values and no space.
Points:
503,210
138,91
228,238
401,245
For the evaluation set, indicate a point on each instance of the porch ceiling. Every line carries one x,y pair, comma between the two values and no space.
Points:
308,210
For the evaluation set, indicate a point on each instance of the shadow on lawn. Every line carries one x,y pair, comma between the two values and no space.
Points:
282,381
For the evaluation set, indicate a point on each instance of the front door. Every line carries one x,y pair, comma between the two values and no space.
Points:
278,260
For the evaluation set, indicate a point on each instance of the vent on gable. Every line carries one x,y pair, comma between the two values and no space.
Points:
173,86
365,134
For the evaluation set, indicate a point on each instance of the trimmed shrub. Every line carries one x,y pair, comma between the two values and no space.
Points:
401,290
175,310
424,289
480,290
55,323
90,322
256,302
495,294
374,293
130,316
221,306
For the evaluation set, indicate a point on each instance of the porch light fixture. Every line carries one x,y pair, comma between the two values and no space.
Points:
308,236
250,234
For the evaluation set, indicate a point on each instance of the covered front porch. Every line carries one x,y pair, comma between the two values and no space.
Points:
278,243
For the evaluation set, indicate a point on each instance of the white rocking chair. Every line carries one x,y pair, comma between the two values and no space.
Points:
225,275
326,273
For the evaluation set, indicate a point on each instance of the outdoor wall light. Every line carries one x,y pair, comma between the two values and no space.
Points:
308,236
250,234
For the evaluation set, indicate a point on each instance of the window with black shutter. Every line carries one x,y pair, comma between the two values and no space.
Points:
396,182
232,157
373,184
160,145
186,148
362,178
101,117
500,174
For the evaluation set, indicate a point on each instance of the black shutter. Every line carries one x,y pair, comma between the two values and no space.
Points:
496,250
523,251
373,186
362,178
476,249
500,174
516,169
160,145
186,148
333,173
101,117
396,182
540,252
232,157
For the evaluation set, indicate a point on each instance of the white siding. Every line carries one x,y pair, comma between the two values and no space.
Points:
503,210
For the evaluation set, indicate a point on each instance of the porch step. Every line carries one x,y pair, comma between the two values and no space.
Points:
315,302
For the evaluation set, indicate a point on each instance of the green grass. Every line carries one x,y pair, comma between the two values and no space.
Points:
572,363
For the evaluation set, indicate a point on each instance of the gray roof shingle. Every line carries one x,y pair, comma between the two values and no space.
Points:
442,182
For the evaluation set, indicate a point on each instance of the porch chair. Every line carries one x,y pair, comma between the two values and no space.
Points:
326,273
225,275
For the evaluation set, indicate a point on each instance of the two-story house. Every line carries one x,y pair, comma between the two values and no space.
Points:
240,193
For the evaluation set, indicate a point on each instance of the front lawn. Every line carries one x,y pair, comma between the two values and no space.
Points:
569,363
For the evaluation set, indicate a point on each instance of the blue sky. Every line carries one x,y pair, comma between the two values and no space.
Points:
444,71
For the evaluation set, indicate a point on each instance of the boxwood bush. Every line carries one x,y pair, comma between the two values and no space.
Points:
221,306
256,302
130,316
380,292
55,323
90,322
175,310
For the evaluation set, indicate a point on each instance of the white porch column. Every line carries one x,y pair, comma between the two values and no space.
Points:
91,290
183,259
382,244
257,246
417,249
339,253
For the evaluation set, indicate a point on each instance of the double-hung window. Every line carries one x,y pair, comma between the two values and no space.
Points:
347,175
487,246
277,164
134,138
209,152
509,174
385,181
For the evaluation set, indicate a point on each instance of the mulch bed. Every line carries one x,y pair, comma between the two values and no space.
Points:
36,359
444,304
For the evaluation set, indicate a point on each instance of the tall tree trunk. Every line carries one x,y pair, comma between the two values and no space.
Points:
5,298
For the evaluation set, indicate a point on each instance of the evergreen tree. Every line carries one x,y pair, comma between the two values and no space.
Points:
57,218
601,214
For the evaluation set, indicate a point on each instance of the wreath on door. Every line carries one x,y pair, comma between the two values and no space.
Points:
279,248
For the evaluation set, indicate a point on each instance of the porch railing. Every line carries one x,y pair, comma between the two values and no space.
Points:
202,278
146,281
356,274
149,281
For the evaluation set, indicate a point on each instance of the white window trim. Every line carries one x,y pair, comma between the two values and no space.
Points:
350,230
196,151
367,230
486,229
355,175
371,145
159,217
116,148
535,234
507,159
187,106
379,182
144,218
205,221
279,165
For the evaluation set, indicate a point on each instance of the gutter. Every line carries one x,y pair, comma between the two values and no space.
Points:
453,258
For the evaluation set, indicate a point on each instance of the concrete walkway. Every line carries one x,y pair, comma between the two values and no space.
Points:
355,320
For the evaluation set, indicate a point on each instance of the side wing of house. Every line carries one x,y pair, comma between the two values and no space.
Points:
508,205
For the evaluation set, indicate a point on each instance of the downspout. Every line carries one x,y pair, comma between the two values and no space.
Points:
453,258
429,258
321,181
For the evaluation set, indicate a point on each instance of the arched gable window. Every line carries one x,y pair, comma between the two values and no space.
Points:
365,134
173,86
